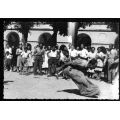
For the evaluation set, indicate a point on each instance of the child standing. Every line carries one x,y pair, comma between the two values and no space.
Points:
19,57
8,60
45,63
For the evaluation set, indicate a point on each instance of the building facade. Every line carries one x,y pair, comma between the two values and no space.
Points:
98,34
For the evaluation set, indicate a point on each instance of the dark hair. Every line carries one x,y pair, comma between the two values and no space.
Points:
92,47
7,53
103,49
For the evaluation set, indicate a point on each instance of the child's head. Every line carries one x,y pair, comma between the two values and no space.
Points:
7,53
25,49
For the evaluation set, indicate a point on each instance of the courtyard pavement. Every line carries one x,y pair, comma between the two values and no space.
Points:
42,87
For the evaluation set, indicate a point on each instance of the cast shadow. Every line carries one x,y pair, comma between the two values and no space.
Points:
6,82
75,91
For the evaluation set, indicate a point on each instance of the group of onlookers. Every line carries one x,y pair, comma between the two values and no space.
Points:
50,57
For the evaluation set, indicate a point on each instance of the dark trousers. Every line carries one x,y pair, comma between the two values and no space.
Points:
14,62
8,64
52,65
38,64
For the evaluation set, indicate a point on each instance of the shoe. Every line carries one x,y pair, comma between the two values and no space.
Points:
49,75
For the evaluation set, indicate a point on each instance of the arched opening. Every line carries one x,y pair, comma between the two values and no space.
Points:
44,39
83,39
13,39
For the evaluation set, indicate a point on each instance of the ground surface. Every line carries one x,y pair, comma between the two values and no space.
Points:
42,87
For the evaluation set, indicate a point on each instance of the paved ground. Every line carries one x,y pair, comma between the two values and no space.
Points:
41,87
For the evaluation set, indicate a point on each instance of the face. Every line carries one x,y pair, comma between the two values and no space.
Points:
20,46
93,50
53,48
77,48
25,50
65,48
99,50
41,46
72,47
110,46
69,45
7,46
82,46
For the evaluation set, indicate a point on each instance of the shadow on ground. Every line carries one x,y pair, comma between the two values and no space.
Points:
75,91
6,82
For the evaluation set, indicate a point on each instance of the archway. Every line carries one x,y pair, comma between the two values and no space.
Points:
13,39
83,39
44,39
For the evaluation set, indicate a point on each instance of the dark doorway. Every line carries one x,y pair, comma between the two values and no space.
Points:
44,39
83,39
13,39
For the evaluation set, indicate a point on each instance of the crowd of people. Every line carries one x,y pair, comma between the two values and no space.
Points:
48,58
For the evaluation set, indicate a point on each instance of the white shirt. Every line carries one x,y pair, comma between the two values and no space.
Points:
92,55
83,53
24,54
53,54
73,53
9,56
62,56
113,53
8,50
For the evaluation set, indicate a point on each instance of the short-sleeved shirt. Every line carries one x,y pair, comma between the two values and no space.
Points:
53,53
39,51
83,53
73,53
8,50
92,55
24,54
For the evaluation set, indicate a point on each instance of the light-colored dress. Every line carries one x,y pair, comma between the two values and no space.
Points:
45,63
19,51
30,60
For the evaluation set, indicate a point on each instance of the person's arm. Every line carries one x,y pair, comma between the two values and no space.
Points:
48,54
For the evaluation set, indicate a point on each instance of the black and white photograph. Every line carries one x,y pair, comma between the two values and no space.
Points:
61,59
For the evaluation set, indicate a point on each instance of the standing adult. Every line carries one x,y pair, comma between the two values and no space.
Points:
52,61
30,62
19,57
38,60
8,56
14,59
73,53
111,59
83,54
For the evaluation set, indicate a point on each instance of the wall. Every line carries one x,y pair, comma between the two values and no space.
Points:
98,37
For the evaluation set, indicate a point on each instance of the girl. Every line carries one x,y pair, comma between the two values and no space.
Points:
29,60
45,63
18,53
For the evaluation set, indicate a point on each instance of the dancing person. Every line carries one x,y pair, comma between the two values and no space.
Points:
86,87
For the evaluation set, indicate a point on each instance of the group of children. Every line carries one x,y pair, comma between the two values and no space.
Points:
55,56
